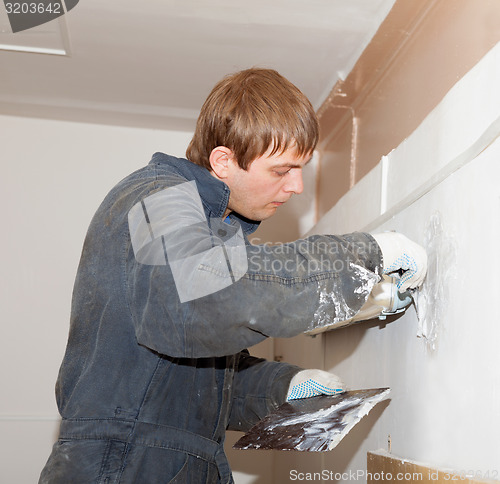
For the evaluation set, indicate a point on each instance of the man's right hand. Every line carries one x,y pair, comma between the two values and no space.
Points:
401,254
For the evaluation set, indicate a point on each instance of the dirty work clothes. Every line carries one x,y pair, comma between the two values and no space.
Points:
171,427
149,382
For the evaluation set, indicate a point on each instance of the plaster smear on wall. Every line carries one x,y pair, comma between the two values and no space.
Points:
433,298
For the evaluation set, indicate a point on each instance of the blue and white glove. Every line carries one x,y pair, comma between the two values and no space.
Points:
401,254
310,383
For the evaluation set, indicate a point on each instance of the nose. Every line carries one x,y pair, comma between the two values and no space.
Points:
295,184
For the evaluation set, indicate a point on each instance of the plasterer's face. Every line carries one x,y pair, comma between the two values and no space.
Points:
270,182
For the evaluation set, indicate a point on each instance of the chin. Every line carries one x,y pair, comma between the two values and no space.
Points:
258,215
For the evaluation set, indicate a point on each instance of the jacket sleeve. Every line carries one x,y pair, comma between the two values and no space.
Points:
259,387
196,287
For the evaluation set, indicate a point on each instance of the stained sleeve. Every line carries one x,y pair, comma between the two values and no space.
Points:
259,387
197,288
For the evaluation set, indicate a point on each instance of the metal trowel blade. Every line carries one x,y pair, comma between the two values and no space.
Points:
313,424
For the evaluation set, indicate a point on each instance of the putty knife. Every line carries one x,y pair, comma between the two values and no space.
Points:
313,424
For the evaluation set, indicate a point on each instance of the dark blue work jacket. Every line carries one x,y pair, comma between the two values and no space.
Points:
155,368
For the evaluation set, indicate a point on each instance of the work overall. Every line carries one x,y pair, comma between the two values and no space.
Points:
155,373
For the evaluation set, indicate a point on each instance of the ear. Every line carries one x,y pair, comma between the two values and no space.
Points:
220,158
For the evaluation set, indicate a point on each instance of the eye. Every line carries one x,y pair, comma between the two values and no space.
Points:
281,172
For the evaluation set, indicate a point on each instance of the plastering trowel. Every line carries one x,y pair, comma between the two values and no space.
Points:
384,300
313,424
320,423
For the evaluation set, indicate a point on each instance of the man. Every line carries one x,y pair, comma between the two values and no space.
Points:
169,294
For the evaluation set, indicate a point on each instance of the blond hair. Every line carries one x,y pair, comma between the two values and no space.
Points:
253,111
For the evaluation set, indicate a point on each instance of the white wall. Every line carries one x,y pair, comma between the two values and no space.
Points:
54,175
441,187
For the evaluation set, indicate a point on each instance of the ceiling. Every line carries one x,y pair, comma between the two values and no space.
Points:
152,63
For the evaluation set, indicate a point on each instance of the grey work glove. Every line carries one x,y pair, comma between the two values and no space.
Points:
310,383
399,253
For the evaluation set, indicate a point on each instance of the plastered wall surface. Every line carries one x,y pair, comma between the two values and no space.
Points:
440,188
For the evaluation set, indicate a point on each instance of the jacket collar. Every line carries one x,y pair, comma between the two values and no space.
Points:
213,192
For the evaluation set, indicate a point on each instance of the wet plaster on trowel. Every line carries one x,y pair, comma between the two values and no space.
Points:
351,411
315,424
433,297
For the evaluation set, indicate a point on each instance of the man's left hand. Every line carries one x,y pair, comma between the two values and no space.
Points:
310,383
